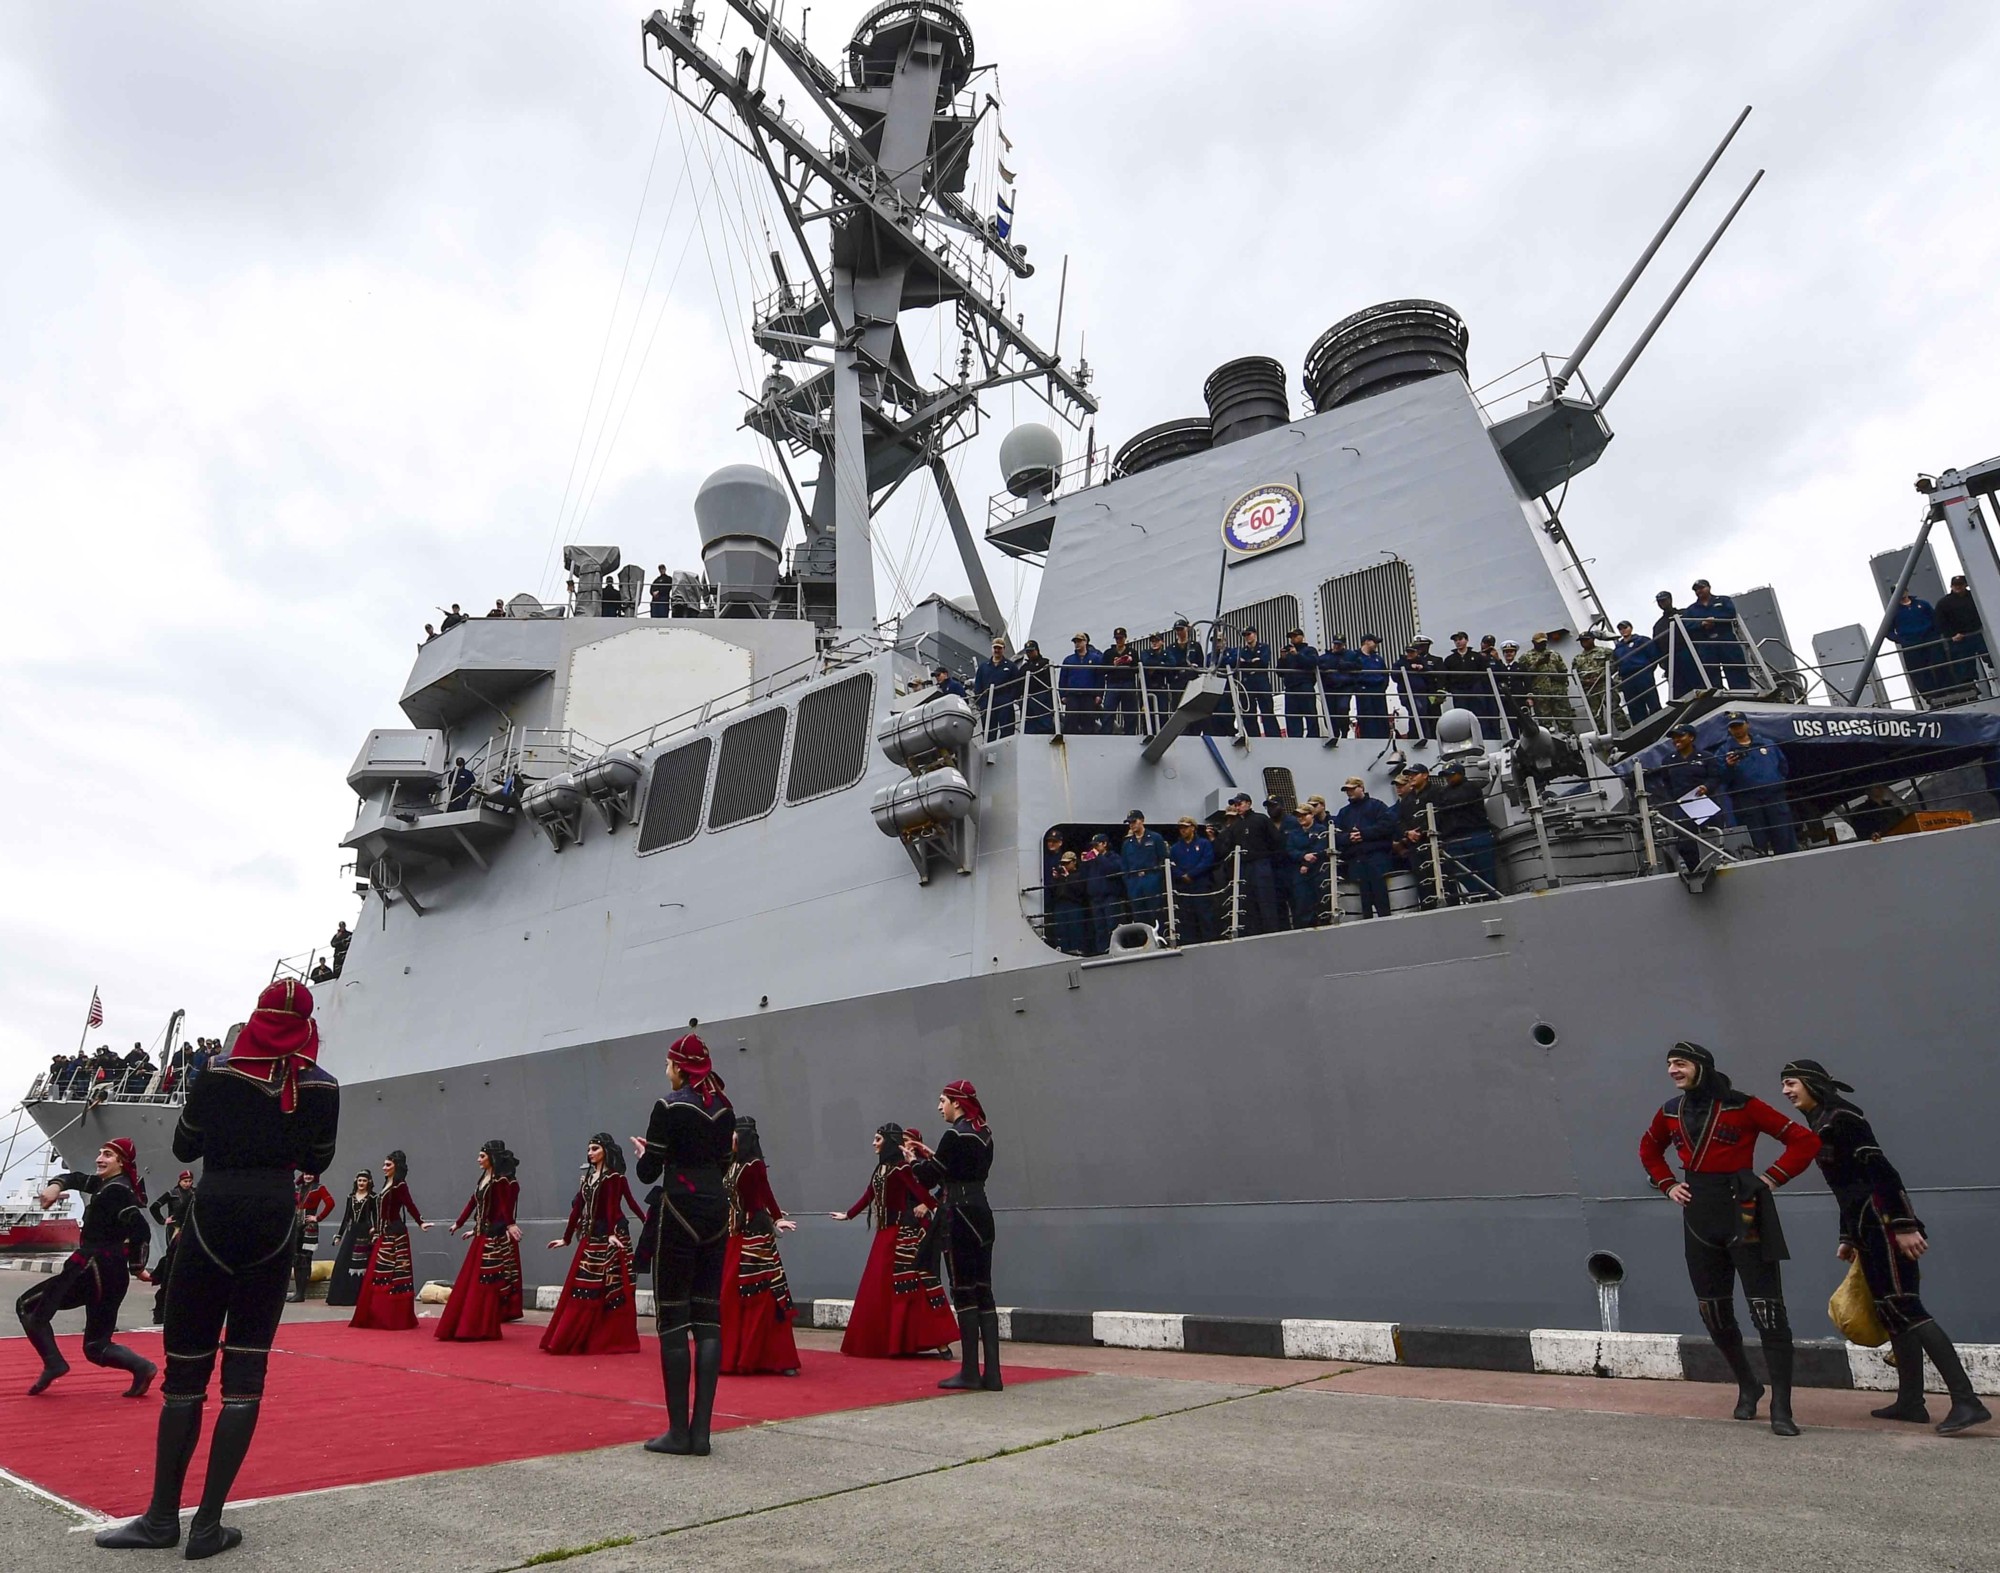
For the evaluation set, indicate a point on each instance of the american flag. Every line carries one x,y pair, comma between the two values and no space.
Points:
96,1016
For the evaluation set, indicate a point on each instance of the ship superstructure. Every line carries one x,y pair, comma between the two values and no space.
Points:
746,808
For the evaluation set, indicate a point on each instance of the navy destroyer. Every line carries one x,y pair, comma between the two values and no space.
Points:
734,797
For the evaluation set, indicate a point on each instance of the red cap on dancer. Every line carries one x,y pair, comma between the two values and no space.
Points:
966,1096
279,1040
691,1055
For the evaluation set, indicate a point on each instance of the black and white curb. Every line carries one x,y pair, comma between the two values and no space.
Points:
1658,1357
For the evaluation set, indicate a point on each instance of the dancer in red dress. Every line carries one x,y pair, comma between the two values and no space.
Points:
488,1285
756,1300
598,1313
899,1308
388,1300
311,1202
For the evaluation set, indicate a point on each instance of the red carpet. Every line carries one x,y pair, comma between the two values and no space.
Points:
344,1407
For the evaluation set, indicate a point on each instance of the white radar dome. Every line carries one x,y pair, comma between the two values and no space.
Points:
1031,456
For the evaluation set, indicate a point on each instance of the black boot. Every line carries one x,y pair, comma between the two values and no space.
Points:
43,1337
160,1525
1748,1389
967,1375
1778,1361
1909,1404
119,1358
707,1372
674,1378
989,1340
1966,1409
208,1536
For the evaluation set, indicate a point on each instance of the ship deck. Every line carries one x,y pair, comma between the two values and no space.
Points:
1145,1460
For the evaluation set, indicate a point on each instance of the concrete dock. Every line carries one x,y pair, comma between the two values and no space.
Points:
1160,1462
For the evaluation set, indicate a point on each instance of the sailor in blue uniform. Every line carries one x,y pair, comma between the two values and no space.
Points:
1306,841
1711,618
1371,689
1193,860
1670,637
1082,687
1688,772
1144,859
1121,686
1418,679
1252,661
1362,833
1298,670
996,687
1635,659
943,684
1922,646
1161,680
1104,888
1755,774
1337,666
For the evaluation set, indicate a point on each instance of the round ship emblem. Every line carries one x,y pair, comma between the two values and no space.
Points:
1262,518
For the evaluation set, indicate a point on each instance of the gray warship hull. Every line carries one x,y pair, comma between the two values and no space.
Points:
1355,1122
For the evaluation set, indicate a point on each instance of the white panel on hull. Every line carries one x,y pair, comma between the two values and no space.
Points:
626,683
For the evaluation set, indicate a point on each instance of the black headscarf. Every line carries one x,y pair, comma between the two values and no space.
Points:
1825,1090
504,1162
891,1155
402,1167
614,1158
1711,1091
749,1149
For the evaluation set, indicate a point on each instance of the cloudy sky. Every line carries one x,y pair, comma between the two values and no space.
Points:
316,321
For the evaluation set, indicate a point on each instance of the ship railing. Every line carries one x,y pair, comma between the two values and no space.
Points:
1523,386
85,1082
1084,470
1939,674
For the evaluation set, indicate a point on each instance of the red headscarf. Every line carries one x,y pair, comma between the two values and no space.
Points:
128,1155
691,1055
966,1097
280,1039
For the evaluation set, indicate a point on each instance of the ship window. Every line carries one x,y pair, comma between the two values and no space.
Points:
1272,619
746,769
830,750
673,800
1380,600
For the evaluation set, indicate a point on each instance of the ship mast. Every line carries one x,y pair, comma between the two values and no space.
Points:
884,198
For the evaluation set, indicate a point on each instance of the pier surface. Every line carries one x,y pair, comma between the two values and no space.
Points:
1148,1461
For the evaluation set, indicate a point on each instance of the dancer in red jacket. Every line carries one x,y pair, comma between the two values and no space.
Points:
1729,1217
899,1308
388,1301
598,1313
488,1287
756,1300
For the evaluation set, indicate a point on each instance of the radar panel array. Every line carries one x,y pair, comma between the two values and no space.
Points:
746,773
831,749
673,800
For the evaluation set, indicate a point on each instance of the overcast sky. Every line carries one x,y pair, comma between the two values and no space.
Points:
304,309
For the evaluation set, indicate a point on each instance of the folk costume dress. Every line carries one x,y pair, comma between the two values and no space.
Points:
1730,1224
171,1212
388,1299
756,1300
257,1117
488,1286
899,1305
358,1222
113,1244
598,1313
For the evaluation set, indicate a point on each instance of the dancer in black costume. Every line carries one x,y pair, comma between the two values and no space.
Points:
359,1220
1879,1225
959,1166
113,1244
686,1147
170,1211
255,1118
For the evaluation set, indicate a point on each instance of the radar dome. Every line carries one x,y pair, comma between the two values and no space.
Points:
742,513
1031,457
1457,729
